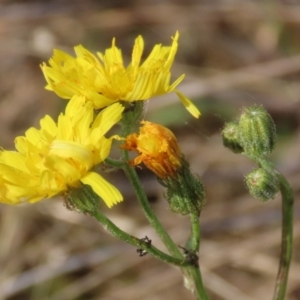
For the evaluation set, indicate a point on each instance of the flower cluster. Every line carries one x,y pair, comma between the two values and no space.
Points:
61,156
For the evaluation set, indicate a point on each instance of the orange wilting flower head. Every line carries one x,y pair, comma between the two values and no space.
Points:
157,148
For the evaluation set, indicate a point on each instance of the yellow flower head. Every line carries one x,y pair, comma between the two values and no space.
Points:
157,148
49,160
105,80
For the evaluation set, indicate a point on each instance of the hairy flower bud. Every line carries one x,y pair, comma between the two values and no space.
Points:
262,184
185,192
257,132
230,134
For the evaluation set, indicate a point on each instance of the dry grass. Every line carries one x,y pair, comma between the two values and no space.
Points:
234,53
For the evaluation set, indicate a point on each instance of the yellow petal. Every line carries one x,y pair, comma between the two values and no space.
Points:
49,185
107,118
72,150
113,55
11,174
59,58
14,159
21,144
65,172
188,105
137,52
33,136
64,128
104,149
57,82
75,104
102,188
86,54
172,53
48,125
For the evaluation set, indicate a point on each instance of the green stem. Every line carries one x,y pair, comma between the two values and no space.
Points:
194,240
193,276
200,291
131,174
192,273
286,238
114,163
139,243
129,121
194,245
142,198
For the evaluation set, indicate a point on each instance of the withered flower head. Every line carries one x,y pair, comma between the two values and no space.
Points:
157,148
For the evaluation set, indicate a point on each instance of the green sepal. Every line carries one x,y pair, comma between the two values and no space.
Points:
82,199
185,192
131,116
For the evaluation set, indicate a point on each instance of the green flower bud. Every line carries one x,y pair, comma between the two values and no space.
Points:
230,134
257,131
262,184
82,199
185,193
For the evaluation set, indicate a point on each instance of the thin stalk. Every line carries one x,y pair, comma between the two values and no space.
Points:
194,240
153,220
139,243
129,121
194,245
286,238
192,273
200,291
118,164
130,172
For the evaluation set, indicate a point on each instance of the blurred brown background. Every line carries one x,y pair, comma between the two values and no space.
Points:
234,54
